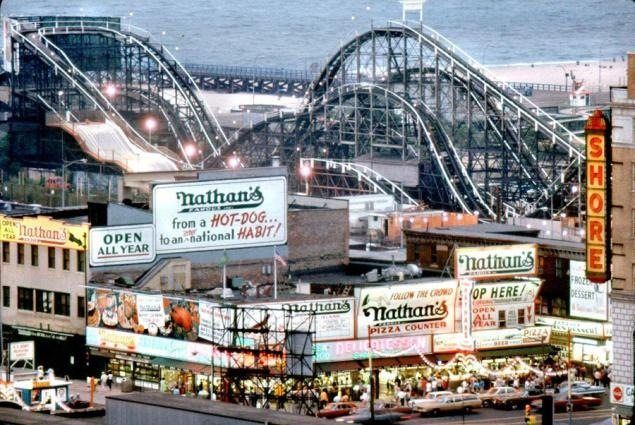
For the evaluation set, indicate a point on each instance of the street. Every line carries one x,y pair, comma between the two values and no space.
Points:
513,417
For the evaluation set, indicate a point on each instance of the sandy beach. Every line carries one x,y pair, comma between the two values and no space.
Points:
593,74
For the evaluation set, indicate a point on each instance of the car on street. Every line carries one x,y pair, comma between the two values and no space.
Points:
514,401
449,403
393,407
433,395
335,410
578,402
498,393
362,415
582,388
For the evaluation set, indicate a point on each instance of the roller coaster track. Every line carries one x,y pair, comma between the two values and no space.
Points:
163,86
487,142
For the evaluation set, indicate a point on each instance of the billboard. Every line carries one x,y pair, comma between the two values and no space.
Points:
357,349
122,245
581,328
407,309
493,339
587,300
334,317
44,231
511,301
496,261
598,204
220,214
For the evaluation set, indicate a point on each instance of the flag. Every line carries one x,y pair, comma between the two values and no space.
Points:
277,257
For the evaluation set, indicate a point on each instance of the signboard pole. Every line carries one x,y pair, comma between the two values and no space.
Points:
371,377
275,274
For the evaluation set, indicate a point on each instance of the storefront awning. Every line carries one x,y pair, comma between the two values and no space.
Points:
197,368
405,361
519,351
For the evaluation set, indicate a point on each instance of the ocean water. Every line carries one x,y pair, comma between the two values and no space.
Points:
302,34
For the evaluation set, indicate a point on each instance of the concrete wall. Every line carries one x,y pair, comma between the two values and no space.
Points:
623,233
42,277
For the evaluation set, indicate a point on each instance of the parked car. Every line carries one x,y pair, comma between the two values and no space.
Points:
335,410
497,392
513,401
433,395
362,415
393,407
578,402
582,388
448,403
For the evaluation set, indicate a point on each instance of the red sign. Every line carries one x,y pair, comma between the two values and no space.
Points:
617,393
597,199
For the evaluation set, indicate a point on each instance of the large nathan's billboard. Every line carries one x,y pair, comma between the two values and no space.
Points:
407,309
220,214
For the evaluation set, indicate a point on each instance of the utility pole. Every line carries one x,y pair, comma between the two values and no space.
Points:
371,378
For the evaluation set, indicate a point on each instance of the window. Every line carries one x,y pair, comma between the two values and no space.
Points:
51,252
6,252
6,296
35,255
25,298
632,176
62,304
66,259
43,301
20,253
81,307
502,323
81,261
521,316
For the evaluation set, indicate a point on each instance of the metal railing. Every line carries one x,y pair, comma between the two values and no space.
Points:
250,72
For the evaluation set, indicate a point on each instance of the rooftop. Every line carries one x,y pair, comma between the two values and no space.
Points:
504,233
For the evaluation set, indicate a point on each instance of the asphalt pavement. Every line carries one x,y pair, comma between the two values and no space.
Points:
513,417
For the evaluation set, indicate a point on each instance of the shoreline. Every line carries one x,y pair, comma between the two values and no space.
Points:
595,75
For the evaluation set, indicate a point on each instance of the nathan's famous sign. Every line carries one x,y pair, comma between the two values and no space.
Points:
495,261
45,231
208,215
598,180
422,308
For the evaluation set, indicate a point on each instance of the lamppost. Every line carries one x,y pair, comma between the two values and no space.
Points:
64,166
233,161
150,125
305,172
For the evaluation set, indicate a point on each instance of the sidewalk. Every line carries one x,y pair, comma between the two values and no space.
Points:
99,397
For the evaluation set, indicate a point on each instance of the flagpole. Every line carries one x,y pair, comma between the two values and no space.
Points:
275,275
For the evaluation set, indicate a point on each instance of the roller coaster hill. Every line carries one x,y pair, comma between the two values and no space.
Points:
397,106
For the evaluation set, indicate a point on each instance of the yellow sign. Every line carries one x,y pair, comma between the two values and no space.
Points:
43,231
41,384
597,199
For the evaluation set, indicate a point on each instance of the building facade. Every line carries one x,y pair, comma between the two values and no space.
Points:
43,271
623,245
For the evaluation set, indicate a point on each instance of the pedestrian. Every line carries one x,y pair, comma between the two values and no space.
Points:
103,379
324,398
597,376
109,381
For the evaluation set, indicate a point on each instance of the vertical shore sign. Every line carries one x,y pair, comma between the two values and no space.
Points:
492,262
220,214
598,178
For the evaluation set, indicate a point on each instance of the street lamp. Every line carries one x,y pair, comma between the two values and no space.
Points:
233,161
64,166
111,90
150,125
305,172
